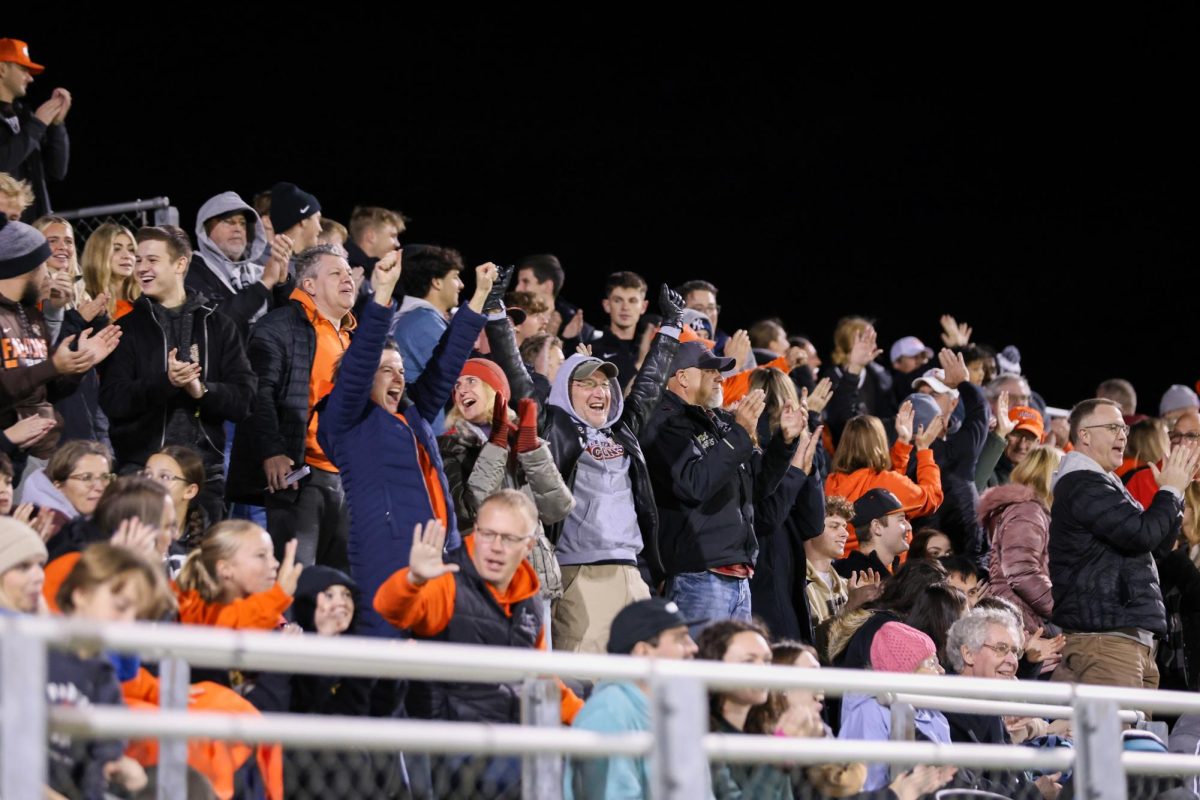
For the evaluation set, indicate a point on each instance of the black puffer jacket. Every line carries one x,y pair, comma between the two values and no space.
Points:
281,351
1101,551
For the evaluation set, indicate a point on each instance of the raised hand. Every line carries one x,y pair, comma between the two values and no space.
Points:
495,298
88,309
48,111
1004,425
738,348
276,269
863,587
955,367
749,411
500,424
133,534
485,278
954,333
583,349
820,396
425,558
921,780
289,571
927,436
670,305
904,422
62,289
793,421
69,361
807,451
181,373
574,326
385,276
1039,648
64,101
101,345
863,352
29,430
1179,468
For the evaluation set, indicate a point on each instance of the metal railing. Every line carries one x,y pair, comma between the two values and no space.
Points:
679,744
134,215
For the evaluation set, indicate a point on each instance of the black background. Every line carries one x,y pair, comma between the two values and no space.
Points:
1037,181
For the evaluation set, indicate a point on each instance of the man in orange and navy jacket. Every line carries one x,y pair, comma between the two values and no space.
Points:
485,592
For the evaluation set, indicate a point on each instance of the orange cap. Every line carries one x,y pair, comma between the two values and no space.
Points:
17,52
1027,419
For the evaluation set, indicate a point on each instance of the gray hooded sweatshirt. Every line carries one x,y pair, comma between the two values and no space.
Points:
603,524
236,275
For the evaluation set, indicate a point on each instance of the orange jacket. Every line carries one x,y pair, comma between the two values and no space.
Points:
263,611
217,760
57,572
918,499
426,610
331,343
735,387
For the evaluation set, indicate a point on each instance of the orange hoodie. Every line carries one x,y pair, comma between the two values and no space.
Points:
263,611
217,760
918,499
331,343
426,609
735,387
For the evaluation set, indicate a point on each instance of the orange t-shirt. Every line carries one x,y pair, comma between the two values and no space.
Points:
331,343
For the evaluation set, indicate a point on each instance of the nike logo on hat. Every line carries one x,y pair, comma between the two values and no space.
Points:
304,210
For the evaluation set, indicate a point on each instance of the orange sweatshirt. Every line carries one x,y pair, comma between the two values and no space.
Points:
737,386
426,610
918,499
331,343
261,611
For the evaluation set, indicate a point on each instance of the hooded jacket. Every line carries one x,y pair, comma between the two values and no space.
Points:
376,451
568,435
32,152
234,287
139,399
417,328
327,694
1018,530
707,474
29,381
1101,550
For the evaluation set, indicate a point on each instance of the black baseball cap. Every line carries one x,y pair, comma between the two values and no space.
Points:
695,354
642,621
873,505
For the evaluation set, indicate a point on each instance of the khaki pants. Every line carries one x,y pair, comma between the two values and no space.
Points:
592,596
1107,660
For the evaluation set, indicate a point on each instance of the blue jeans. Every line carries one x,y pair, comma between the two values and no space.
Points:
710,597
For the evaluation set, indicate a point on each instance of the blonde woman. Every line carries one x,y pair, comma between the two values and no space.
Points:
66,280
1016,517
108,260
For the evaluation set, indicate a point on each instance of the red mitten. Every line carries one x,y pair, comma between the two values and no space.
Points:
527,438
500,424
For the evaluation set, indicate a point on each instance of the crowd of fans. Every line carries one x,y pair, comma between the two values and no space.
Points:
285,423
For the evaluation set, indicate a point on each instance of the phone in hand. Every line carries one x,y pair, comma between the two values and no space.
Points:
296,475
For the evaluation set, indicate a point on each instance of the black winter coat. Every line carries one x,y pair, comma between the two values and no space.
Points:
241,307
139,399
1101,554
38,151
281,350
707,475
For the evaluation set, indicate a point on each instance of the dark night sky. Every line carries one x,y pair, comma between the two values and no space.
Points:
1040,187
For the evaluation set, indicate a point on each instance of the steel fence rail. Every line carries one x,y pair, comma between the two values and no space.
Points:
367,657
1012,709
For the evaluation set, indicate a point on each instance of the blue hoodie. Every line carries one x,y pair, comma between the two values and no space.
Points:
612,708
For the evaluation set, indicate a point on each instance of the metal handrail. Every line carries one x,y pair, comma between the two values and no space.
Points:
116,208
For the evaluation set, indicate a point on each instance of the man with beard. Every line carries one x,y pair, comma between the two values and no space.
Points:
707,470
30,376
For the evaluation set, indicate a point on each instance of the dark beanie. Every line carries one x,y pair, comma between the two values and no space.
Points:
22,248
289,205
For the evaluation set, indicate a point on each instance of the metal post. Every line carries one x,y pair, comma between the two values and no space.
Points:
679,720
174,683
541,775
904,722
1098,773
166,216
22,716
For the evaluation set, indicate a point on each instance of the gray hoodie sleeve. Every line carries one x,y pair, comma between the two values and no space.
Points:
554,500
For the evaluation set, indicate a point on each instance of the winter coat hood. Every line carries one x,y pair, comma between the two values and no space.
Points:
560,392
245,270
998,498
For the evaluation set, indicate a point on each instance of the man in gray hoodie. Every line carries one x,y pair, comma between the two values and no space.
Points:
231,240
593,433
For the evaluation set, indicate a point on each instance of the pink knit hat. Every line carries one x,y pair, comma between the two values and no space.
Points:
900,648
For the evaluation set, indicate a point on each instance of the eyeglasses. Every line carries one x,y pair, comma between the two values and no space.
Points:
1115,428
591,386
508,539
1002,649
102,478
1191,438
164,478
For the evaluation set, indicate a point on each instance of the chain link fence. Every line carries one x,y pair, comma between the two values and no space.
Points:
138,214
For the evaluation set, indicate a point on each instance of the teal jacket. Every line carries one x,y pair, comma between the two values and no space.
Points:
612,708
